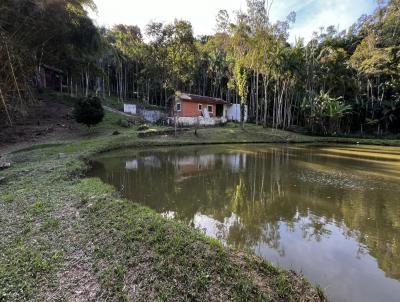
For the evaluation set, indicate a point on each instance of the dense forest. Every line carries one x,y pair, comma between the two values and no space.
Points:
340,82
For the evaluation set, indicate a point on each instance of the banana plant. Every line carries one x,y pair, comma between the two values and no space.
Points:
329,111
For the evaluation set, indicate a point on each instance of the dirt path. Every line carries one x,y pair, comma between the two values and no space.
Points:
116,111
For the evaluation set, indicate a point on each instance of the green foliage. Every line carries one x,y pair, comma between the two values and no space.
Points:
285,290
248,60
113,102
50,224
37,33
38,207
321,293
330,107
180,54
241,78
143,127
329,111
89,111
123,123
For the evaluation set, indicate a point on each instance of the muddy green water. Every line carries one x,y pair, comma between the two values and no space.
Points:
330,212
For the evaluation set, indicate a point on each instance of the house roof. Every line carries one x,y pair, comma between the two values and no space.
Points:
201,99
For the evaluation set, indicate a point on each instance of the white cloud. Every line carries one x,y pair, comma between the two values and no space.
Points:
340,13
311,14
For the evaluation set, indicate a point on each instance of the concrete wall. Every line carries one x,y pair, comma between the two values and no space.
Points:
199,121
153,116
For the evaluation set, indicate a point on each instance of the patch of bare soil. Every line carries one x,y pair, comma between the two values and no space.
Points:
47,121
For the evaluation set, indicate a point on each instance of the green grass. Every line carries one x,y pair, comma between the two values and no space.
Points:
115,103
66,237
284,288
53,220
50,224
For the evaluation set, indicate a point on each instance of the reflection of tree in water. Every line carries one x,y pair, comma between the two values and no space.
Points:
264,191
314,229
271,237
375,221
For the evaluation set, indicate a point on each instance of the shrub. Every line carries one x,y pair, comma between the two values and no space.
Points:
123,123
143,127
88,111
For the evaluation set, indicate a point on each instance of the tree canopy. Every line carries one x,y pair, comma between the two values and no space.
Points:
339,82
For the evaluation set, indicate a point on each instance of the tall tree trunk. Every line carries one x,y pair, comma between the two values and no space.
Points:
125,90
242,112
266,83
109,81
87,83
257,97
5,107
103,89
13,74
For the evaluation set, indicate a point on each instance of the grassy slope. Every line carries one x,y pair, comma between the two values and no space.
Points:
65,237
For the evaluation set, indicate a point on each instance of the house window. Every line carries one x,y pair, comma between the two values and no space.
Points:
210,108
178,106
200,107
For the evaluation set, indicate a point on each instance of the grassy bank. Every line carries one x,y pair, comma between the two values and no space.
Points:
69,238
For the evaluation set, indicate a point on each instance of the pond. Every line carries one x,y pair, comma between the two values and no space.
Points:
330,212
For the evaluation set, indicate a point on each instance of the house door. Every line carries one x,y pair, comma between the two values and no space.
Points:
219,110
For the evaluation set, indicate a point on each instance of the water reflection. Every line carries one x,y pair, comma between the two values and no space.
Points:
331,212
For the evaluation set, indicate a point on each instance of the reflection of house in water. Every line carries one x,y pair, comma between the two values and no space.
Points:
148,161
235,162
131,164
152,161
190,166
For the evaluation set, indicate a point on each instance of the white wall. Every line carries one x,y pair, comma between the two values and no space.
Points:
153,116
233,113
130,108
199,121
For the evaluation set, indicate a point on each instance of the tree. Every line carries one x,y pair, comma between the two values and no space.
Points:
180,55
241,79
89,111
239,55
32,33
223,21
329,112
249,60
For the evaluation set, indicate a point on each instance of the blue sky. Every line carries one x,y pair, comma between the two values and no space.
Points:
311,14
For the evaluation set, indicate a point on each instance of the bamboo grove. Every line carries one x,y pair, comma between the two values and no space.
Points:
339,82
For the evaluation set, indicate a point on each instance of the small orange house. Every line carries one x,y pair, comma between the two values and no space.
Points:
192,105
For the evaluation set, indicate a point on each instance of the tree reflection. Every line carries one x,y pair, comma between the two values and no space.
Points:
263,190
